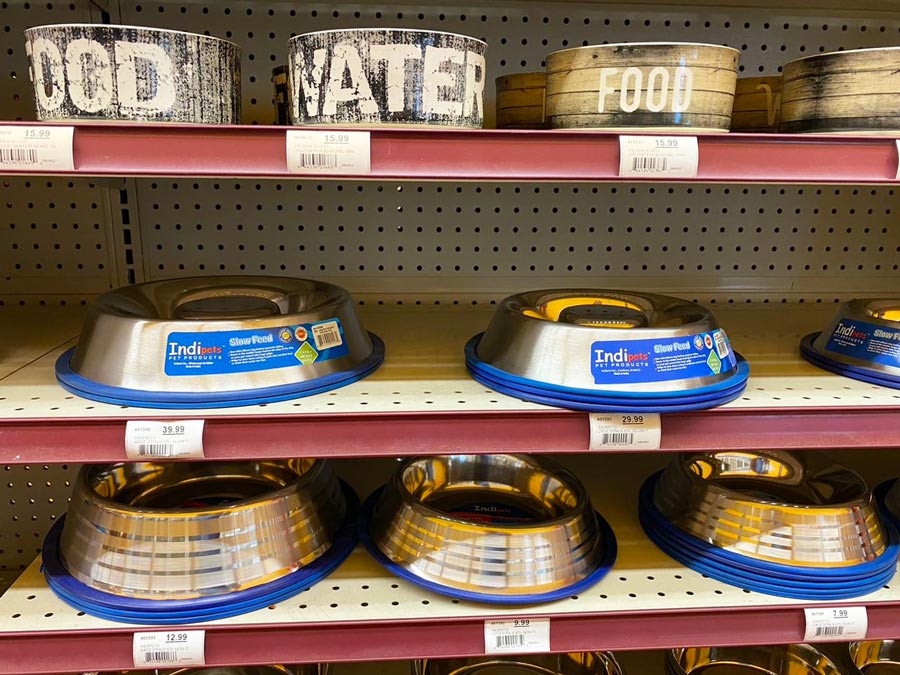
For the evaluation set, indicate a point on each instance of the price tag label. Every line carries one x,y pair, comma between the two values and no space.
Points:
658,156
37,148
173,648
517,636
898,158
611,431
329,152
839,624
148,439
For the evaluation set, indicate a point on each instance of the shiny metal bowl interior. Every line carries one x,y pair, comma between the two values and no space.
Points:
179,530
770,506
495,524
126,334
883,312
875,657
548,335
797,659
576,663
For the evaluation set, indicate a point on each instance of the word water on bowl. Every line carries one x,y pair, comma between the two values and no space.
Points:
128,73
390,76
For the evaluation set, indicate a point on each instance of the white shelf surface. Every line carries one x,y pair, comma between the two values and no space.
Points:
676,606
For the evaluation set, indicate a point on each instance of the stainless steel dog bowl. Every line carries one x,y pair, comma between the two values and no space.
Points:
498,525
864,334
218,340
770,506
603,340
875,657
798,659
193,529
131,73
578,663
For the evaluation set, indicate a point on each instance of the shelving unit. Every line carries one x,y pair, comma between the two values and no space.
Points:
773,232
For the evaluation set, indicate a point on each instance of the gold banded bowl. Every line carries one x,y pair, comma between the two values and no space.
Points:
875,657
770,506
577,663
800,659
182,530
497,528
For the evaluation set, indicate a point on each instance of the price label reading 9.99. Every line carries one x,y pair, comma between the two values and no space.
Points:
517,636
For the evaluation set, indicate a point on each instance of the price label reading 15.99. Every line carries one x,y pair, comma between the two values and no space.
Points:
311,151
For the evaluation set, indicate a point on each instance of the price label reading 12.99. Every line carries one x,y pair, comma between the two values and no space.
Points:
157,649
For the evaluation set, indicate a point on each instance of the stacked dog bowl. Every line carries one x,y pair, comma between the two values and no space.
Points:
505,529
218,341
577,663
861,342
875,657
600,350
798,659
766,522
178,542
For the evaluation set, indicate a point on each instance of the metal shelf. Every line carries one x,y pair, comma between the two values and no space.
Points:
423,401
113,149
361,612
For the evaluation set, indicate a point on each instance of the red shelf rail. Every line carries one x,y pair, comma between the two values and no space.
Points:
111,149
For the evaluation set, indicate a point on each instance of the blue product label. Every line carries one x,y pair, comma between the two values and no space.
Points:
661,360
247,351
867,342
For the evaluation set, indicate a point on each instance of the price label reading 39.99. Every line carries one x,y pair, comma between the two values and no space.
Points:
149,439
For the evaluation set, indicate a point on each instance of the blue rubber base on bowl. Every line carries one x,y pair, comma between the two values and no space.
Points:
808,352
605,400
763,576
608,559
76,384
139,610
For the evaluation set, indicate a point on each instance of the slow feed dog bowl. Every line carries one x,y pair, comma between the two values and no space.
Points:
607,350
862,342
218,341
576,663
190,541
386,76
506,529
757,660
130,73
766,522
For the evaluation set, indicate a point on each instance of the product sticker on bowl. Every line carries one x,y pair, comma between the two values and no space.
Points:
488,513
245,351
866,342
661,360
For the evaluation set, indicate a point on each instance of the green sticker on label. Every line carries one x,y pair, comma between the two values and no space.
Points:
306,354
714,363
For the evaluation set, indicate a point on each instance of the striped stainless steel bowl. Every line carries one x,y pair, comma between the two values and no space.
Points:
864,333
491,524
208,337
770,506
591,339
576,663
180,530
875,657
797,659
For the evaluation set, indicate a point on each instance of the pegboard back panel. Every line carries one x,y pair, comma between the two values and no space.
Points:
520,34
462,241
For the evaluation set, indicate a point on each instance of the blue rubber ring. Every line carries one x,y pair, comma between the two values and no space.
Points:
808,352
762,576
606,399
612,405
608,559
139,610
76,384
474,362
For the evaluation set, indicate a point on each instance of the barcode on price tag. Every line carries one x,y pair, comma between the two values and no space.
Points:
517,636
658,156
169,648
323,152
327,335
36,148
610,431
836,623
148,439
